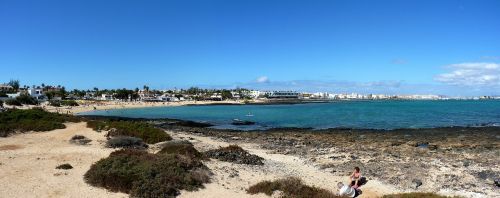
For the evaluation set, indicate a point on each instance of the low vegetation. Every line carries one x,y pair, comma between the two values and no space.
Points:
138,129
142,174
182,148
126,142
291,188
18,120
26,99
64,166
235,154
13,102
416,195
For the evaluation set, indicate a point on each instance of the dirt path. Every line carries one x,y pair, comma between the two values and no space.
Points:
231,180
28,164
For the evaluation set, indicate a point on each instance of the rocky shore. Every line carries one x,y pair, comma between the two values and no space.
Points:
450,160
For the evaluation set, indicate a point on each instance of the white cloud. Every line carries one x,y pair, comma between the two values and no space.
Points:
472,74
262,79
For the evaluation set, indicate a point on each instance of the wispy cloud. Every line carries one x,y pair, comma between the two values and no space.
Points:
490,58
398,61
262,79
472,74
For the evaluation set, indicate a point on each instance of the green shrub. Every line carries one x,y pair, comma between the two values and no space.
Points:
35,119
13,102
97,125
235,154
64,166
120,170
143,130
415,195
26,99
291,187
182,148
126,142
69,103
143,174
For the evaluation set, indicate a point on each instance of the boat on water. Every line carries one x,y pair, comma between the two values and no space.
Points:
242,122
249,115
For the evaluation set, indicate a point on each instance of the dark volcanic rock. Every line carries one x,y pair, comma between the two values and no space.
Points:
415,183
236,154
80,139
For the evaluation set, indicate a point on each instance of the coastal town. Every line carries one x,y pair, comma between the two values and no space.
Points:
12,93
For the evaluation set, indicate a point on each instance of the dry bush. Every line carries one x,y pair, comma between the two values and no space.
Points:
180,147
126,142
142,174
236,154
64,166
291,187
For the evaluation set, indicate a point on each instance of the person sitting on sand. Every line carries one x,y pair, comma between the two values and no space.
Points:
355,177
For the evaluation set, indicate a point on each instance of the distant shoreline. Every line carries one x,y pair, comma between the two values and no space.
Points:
207,125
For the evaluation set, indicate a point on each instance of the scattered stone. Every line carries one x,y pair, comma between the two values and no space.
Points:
64,166
415,183
126,142
80,140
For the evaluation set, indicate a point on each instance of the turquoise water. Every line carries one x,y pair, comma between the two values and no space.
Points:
352,114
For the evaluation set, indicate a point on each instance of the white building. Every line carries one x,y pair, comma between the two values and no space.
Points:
107,97
254,94
282,94
36,93
5,87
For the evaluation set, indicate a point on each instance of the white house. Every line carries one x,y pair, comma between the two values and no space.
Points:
36,93
106,97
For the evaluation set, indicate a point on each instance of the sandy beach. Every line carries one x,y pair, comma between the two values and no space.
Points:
85,106
28,164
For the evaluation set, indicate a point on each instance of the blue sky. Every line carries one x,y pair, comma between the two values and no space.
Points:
441,47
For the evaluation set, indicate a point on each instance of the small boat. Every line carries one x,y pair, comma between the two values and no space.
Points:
249,115
242,122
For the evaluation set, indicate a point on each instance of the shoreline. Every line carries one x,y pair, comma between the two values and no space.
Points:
449,161
292,129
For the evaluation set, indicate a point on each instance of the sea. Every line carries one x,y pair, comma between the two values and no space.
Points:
377,114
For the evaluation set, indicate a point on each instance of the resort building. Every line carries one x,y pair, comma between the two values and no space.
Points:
6,88
216,97
282,94
235,95
36,93
106,97
255,94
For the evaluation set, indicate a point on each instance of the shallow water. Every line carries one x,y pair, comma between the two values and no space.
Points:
353,114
